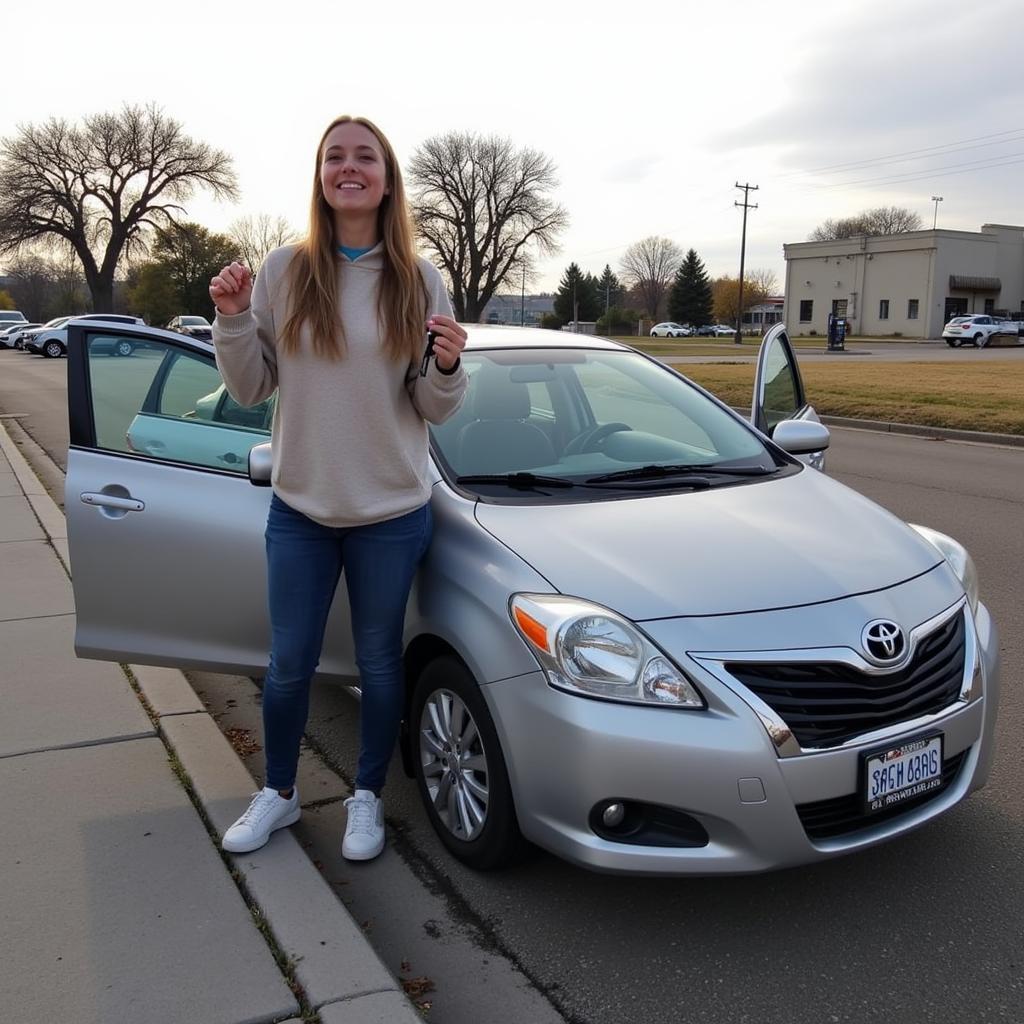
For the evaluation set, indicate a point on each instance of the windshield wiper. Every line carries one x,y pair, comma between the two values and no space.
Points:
656,472
520,479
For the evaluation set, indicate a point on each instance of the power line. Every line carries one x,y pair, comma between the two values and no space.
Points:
937,172
907,153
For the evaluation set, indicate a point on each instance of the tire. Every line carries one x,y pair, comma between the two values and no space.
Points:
477,822
953,342
978,340
53,349
124,348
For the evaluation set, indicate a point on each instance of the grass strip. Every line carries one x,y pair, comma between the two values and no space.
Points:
963,396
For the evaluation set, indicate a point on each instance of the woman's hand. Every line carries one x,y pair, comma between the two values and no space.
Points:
449,340
231,289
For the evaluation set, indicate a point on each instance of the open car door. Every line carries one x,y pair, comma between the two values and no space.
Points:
779,390
165,528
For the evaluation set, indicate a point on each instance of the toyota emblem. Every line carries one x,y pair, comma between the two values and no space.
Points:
883,641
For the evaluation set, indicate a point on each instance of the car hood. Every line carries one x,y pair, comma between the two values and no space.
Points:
774,543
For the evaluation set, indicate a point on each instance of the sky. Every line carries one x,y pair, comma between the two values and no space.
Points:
650,111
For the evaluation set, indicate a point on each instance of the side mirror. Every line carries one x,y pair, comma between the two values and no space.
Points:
799,437
261,462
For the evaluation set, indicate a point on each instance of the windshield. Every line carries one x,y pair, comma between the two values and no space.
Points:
582,416
195,321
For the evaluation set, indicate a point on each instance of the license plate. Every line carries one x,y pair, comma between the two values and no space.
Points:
901,773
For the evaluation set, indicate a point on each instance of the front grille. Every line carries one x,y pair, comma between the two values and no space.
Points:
826,704
841,815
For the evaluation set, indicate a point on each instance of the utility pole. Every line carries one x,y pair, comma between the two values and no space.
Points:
935,218
607,322
747,189
575,310
522,301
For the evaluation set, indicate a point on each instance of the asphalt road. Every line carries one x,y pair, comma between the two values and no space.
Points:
928,928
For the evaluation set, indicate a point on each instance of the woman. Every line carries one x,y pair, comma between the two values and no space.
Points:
337,325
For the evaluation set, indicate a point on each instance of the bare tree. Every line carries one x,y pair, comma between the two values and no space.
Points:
46,283
258,236
482,207
881,220
891,220
758,285
648,266
100,186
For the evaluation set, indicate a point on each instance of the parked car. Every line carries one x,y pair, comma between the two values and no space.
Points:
9,316
671,330
52,340
11,332
975,330
193,326
646,636
28,335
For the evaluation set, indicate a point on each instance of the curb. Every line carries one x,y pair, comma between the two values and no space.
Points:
919,430
330,957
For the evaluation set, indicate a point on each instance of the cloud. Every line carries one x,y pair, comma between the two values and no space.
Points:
908,76
632,170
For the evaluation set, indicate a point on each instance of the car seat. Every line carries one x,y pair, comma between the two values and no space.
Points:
499,439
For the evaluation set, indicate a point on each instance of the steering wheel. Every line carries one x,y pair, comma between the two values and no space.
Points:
590,439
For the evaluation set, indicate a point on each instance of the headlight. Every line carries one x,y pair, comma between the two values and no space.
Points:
959,560
584,648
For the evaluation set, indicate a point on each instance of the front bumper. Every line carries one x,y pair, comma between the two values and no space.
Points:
566,754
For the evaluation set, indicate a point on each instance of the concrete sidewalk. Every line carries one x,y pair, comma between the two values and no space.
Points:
116,901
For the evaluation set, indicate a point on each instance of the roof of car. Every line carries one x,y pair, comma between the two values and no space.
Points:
481,336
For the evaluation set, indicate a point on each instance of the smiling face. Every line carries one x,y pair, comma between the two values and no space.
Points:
353,171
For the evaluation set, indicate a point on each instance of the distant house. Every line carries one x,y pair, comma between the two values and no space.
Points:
517,309
763,315
909,284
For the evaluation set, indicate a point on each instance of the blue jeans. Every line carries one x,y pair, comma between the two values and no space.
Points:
304,563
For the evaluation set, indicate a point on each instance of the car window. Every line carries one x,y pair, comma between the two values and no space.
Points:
781,393
579,413
170,404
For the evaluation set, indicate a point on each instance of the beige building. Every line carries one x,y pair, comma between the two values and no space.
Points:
909,284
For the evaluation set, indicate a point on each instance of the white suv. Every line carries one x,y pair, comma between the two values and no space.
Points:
52,342
977,330
671,330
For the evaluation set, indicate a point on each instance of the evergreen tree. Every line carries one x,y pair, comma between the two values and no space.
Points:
690,299
609,288
584,287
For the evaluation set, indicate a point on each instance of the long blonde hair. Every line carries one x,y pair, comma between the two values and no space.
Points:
402,297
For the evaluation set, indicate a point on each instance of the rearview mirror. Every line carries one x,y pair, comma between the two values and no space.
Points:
261,462
800,437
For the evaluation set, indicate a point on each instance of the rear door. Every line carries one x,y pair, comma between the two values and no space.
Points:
165,530
779,390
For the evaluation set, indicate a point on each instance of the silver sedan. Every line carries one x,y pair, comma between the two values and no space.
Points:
649,636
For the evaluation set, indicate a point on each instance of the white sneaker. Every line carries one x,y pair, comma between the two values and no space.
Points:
364,833
267,812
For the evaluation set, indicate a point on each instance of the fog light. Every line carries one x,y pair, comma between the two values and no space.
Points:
613,815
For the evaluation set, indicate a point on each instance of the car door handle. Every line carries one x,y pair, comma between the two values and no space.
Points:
112,501
231,458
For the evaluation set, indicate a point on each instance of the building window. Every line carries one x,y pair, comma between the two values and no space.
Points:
883,309
806,310
911,309
990,306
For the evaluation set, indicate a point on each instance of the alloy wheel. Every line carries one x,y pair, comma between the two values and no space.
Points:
124,348
454,764
52,349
